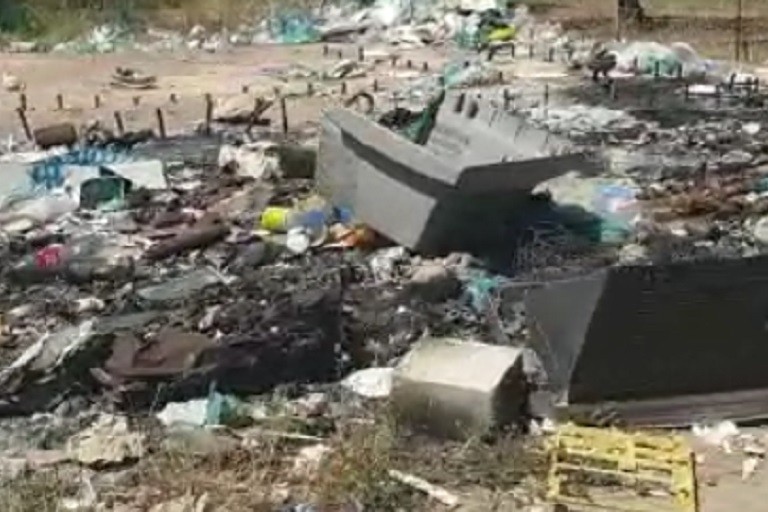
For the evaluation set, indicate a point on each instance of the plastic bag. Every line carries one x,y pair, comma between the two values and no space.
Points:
618,210
295,28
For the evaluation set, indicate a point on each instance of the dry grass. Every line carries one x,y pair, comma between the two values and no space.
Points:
266,475
263,475
40,492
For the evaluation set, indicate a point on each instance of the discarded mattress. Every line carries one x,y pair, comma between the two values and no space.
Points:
660,345
458,191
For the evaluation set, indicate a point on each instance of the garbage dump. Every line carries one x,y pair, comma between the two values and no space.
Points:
468,258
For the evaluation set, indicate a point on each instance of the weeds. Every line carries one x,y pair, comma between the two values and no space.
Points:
356,471
38,492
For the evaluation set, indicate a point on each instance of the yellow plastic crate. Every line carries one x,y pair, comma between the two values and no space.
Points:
610,469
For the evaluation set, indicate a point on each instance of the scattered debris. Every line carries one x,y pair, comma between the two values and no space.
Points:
437,493
132,79
12,83
108,441
370,382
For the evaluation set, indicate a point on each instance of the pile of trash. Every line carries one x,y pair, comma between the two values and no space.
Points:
470,24
480,262
151,280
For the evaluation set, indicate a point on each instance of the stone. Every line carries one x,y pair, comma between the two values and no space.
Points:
312,405
310,459
108,441
455,388
12,468
760,230
433,281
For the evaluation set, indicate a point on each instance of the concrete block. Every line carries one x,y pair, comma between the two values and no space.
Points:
458,192
457,389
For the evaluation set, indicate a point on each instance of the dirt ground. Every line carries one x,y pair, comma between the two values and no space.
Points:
187,76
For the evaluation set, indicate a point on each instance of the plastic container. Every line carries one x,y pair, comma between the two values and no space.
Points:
313,216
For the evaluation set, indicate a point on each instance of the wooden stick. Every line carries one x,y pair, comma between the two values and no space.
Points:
96,101
284,114
23,101
119,123
433,491
160,122
60,101
25,123
208,113
739,28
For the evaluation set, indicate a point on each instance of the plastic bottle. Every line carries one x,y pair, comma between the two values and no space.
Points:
313,216
78,261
